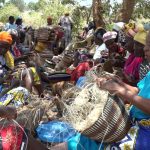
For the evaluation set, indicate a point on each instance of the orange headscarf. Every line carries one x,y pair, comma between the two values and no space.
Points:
5,37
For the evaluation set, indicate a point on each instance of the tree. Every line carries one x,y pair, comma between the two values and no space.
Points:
2,1
98,13
7,10
18,3
142,7
64,2
33,6
127,10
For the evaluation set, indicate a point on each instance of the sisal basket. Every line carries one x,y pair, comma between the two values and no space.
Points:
112,125
98,115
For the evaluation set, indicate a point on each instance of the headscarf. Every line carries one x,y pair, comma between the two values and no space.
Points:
5,37
118,26
141,37
109,35
132,29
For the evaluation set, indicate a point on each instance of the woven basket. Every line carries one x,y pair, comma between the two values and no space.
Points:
64,63
67,59
45,34
29,116
112,125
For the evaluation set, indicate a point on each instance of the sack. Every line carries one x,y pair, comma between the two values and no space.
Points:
11,137
55,132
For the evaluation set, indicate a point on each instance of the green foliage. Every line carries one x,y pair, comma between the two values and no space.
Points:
33,6
38,12
64,2
8,10
34,19
2,1
20,4
142,9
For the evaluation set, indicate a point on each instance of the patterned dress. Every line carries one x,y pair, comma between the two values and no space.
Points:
17,96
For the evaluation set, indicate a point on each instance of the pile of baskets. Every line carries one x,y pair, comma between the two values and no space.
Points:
44,34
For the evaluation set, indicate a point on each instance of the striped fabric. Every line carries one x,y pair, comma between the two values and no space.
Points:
144,69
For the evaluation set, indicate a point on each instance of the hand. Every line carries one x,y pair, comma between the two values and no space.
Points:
110,85
10,113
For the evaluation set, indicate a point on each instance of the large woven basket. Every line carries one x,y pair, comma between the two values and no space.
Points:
112,125
44,34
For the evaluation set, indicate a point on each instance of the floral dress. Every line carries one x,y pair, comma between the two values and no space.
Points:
16,96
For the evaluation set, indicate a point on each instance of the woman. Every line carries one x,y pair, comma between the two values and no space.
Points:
12,94
100,45
14,48
109,39
29,77
145,66
116,53
6,58
132,64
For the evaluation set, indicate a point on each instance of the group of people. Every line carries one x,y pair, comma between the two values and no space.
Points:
126,48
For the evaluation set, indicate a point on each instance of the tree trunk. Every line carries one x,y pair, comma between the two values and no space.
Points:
98,13
127,10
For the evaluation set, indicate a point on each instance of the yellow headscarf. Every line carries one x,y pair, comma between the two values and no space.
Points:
141,37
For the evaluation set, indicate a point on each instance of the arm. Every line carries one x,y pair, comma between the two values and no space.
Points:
139,102
8,112
125,92
132,89
2,111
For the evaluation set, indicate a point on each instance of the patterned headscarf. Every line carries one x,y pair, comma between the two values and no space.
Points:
109,35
